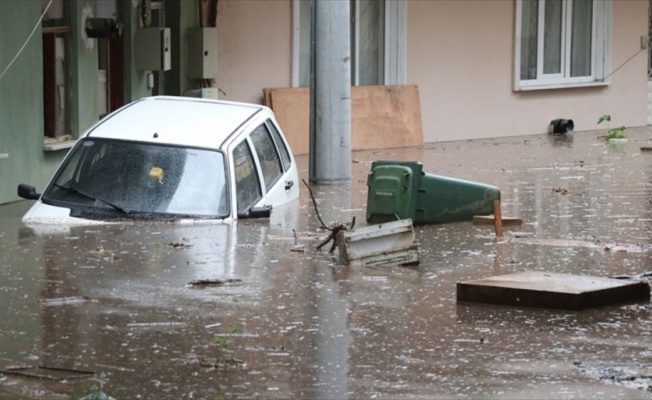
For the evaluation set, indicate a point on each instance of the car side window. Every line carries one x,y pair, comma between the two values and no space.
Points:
280,144
247,187
270,163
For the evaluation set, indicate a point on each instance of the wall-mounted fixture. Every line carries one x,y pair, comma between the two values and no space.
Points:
202,53
101,28
561,126
153,52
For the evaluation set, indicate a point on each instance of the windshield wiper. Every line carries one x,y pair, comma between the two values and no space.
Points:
77,191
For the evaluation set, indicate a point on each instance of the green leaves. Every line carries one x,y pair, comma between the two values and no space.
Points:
224,342
605,117
613,133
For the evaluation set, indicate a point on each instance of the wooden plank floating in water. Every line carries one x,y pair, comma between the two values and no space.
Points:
552,290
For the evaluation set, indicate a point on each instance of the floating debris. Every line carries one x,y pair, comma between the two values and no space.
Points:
391,243
299,248
155,324
638,376
44,372
637,277
64,300
214,282
551,290
218,362
179,245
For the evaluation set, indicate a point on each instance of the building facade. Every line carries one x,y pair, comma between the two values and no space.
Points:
483,68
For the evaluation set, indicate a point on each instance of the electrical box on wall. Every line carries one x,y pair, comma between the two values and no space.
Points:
202,53
152,48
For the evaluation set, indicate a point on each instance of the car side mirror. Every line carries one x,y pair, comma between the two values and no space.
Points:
257,212
28,192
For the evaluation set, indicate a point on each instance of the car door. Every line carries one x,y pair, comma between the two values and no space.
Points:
248,188
277,166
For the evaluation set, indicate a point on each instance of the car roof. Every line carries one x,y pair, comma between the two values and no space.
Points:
182,121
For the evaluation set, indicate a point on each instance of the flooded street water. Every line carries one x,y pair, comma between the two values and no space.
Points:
265,321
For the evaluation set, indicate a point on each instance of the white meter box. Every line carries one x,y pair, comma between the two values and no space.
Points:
202,53
152,48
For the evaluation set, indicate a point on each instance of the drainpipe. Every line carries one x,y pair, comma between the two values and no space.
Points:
330,92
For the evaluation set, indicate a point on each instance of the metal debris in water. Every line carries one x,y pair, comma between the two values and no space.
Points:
299,248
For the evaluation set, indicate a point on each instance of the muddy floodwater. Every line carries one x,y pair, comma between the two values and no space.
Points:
164,311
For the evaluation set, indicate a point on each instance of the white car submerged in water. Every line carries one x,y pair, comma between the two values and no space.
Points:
171,158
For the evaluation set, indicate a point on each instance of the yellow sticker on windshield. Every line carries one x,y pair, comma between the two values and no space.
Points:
156,173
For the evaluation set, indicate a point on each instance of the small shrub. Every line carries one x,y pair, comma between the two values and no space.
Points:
612,133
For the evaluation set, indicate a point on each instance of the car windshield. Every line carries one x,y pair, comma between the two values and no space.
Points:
120,179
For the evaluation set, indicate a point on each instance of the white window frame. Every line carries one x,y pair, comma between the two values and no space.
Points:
600,50
395,41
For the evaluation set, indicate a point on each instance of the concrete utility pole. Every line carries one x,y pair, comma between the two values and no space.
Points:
330,92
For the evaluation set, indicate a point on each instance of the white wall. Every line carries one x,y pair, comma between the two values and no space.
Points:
460,53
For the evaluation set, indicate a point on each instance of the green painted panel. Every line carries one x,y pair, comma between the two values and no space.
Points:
21,99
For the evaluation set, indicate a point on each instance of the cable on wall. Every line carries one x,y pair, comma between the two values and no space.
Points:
38,24
623,64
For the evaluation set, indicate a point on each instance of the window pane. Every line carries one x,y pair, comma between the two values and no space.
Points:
57,93
269,159
553,37
56,84
371,42
529,37
285,155
61,97
246,178
581,39
304,43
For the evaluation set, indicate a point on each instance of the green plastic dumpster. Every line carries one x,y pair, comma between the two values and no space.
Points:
401,190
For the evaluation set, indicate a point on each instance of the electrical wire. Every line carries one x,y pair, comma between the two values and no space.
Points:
623,64
38,24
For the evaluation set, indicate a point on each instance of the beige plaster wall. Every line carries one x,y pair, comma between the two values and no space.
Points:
460,53
255,47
